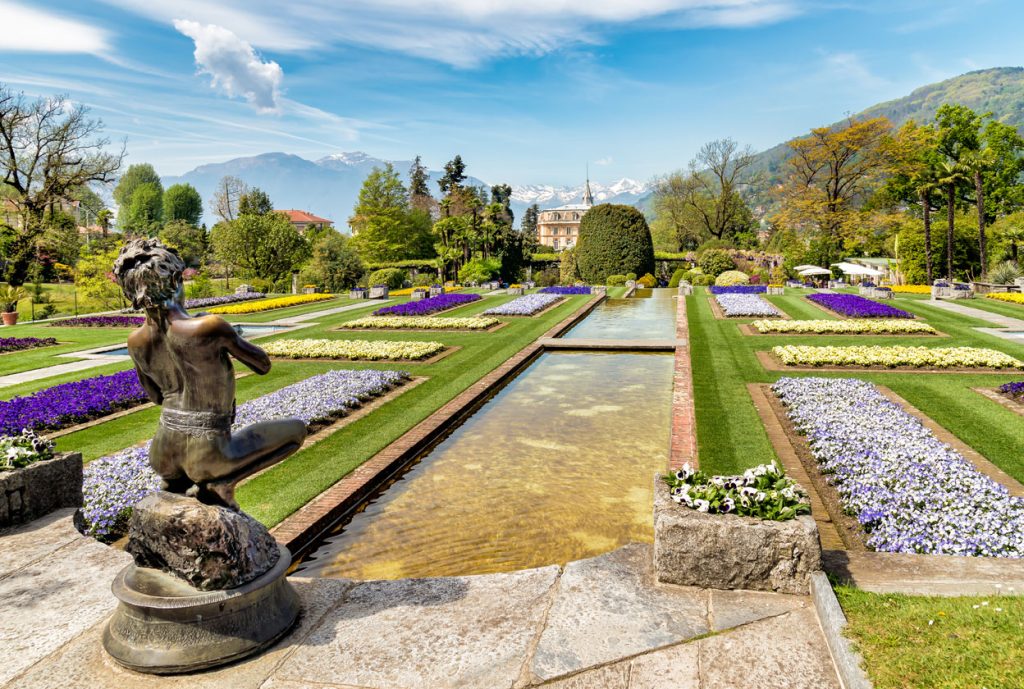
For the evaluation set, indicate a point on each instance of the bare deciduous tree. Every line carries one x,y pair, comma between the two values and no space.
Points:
227,197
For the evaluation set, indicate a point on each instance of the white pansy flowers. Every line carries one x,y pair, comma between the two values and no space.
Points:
352,349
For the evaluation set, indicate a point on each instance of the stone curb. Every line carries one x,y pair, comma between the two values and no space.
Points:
849,663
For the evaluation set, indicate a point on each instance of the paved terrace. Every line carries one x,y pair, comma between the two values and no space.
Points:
600,623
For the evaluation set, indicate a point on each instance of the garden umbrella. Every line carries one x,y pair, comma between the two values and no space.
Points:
854,269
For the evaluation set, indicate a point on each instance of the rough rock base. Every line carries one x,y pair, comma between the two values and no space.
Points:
211,547
724,551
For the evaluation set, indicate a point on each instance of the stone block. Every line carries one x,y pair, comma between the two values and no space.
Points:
38,489
724,551
211,547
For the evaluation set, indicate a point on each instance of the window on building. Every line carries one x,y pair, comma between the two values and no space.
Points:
555,245
554,231
557,216
575,216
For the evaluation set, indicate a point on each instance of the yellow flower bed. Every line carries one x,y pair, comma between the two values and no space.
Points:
351,349
851,326
268,304
1012,297
911,289
891,357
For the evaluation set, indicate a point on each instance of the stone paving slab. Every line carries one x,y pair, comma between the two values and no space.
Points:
472,631
22,545
83,662
58,370
313,315
980,314
596,344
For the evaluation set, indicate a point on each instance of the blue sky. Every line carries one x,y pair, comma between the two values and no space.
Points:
528,91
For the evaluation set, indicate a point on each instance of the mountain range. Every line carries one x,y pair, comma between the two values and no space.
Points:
329,187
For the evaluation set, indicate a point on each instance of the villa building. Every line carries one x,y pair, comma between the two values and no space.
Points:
303,220
559,228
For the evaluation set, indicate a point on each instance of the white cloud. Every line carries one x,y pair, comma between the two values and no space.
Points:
233,65
607,160
28,29
850,67
462,33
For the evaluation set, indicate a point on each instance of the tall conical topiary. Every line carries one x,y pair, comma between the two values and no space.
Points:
614,240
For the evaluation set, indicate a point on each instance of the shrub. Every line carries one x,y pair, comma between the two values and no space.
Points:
615,280
648,281
201,286
424,280
394,278
630,276
714,245
732,277
613,239
700,279
547,277
480,270
714,262
1005,273
568,267
677,277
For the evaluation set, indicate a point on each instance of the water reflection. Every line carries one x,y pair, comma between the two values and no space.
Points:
650,315
546,472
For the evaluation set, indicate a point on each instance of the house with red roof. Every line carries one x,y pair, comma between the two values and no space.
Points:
303,220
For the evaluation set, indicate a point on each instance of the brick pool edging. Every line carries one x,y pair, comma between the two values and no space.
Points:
303,528
683,443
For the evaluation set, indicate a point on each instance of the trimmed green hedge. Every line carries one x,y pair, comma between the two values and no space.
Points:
614,239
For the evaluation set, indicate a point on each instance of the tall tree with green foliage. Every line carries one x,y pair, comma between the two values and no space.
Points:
182,202
263,246
138,175
192,242
530,216
336,264
614,240
454,175
384,227
255,201
144,212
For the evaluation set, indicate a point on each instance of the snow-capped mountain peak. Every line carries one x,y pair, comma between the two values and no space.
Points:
624,190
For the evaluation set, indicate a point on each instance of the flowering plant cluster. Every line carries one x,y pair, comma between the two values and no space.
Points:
100,322
764,492
853,326
115,483
911,492
1012,297
268,304
352,349
740,305
891,357
856,306
424,307
738,289
1015,390
556,289
22,449
203,302
526,305
422,322
406,291
67,404
15,344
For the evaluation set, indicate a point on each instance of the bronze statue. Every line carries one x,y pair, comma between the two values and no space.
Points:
184,364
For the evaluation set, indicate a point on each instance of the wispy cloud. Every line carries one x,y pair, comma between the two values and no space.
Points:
462,33
850,67
30,29
233,65
607,160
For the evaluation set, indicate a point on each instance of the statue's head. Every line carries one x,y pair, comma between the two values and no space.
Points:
149,272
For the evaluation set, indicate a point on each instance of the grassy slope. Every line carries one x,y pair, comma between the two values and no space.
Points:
71,339
936,643
731,437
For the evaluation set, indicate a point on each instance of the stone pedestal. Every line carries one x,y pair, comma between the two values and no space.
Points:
40,488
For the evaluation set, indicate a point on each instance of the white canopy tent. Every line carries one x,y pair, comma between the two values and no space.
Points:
854,269
805,266
815,270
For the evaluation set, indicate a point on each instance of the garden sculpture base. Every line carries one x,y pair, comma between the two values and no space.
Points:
207,587
723,551
40,488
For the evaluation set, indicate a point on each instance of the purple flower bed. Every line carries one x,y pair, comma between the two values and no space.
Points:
203,302
427,306
526,305
100,322
14,344
739,289
856,306
911,492
115,483
564,290
1012,389
70,403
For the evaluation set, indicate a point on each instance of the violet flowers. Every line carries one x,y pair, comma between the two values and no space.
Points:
856,306
423,307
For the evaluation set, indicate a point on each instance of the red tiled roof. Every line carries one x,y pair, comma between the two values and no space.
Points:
304,217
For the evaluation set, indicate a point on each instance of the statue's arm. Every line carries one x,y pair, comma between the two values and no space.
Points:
246,352
150,386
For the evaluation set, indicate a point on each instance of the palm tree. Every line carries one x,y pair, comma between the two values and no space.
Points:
976,163
924,193
951,174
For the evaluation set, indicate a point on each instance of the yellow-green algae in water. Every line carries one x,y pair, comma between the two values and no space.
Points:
558,466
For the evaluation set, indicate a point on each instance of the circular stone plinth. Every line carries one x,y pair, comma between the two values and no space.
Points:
164,626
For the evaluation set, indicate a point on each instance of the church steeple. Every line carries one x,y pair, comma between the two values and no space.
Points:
588,198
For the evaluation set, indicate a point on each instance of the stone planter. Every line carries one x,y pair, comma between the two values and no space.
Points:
10,317
777,291
378,293
516,290
357,294
879,293
38,489
309,290
417,295
436,291
685,289
723,551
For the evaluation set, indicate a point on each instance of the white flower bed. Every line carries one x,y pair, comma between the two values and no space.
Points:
752,305
911,492
891,357
526,305
351,349
852,326
422,323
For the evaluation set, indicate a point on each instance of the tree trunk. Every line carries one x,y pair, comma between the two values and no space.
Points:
1013,251
927,206
980,197
950,224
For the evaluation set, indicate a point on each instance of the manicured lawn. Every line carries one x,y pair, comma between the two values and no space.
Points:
69,339
935,642
729,432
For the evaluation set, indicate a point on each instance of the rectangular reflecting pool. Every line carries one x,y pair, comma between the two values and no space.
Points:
649,315
558,466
